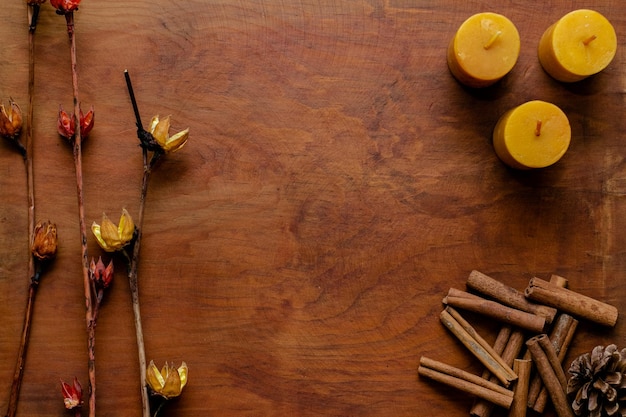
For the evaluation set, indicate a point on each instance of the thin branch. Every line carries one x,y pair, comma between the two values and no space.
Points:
134,262
32,15
77,152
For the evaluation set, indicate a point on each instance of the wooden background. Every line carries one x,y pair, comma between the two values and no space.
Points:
336,183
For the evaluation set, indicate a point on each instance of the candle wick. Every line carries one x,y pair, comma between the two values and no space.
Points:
589,40
538,128
492,40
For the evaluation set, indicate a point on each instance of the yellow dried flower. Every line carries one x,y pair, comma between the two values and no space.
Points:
113,238
169,382
160,130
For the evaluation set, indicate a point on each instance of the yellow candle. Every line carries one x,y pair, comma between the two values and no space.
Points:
483,50
535,134
580,44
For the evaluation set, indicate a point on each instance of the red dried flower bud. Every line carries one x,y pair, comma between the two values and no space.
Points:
86,122
67,127
65,124
101,275
72,394
65,6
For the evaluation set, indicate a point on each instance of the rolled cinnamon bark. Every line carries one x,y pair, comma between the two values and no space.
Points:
571,302
558,335
507,295
542,399
495,310
558,280
465,381
486,358
509,353
482,342
520,394
482,408
549,376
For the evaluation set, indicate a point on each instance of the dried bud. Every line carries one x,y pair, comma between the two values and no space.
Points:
86,122
65,6
44,245
160,130
101,275
168,383
113,238
10,120
67,127
35,2
65,124
72,394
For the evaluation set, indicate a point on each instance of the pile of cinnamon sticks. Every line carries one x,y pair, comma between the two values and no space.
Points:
543,318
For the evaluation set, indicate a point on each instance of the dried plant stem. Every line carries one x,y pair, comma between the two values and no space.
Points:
134,262
32,15
77,152
21,356
134,290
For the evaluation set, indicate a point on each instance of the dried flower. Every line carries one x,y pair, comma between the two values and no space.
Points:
598,382
65,6
72,394
113,238
10,120
86,122
101,275
67,127
44,245
168,383
160,130
35,2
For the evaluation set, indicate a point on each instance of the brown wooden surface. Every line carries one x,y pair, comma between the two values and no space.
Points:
336,183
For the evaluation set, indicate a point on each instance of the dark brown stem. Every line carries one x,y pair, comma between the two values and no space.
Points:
32,15
77,151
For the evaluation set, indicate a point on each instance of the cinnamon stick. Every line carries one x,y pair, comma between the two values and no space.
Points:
465,381
481,407
495,310
507,295
455,292
558,281
558,335
571,302
482,342
548,374
542,399
505,376
510,351
520,394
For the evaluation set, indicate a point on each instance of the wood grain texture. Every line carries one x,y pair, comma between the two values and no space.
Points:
336,183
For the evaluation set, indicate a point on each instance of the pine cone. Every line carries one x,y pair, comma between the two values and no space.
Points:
598,383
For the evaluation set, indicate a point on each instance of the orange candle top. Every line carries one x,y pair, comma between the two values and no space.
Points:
535,134
484,49
580,44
